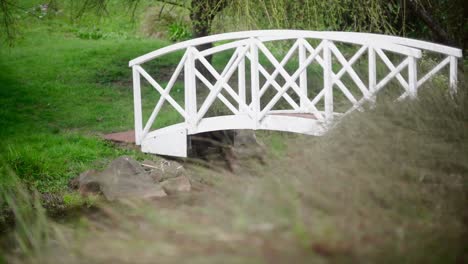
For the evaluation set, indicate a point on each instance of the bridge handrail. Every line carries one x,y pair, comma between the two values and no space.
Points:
410,47
349,37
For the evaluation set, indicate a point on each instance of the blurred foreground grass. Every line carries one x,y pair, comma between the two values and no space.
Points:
389,185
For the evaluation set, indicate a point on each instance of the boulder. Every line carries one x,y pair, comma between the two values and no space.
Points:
177,184
246,145
123,178
86,183
163,169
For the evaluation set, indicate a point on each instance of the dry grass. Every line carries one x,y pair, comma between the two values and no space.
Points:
386,185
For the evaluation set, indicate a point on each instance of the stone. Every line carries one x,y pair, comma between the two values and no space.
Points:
163,169
177,184
123,178
87,183
246,146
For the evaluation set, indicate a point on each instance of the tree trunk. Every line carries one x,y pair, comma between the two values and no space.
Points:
202,14
431,23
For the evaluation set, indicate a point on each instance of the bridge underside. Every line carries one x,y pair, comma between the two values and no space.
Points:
172,140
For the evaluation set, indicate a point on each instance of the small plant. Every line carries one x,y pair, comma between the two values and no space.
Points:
94,33
76,200
179,31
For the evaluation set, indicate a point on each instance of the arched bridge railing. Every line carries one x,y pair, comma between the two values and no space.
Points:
307,111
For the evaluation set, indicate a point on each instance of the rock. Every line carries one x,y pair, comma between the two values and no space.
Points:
126,178
163,169
177,184
247,147
123,178
126,165
87,183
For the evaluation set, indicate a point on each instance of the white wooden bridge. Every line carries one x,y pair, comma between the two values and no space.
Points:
307,112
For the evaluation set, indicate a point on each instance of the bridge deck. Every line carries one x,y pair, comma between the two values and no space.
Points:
129,136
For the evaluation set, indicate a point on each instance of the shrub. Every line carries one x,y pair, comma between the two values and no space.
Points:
179,31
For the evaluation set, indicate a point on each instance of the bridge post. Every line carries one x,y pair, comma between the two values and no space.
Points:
241,81
372,73
254,81
412,77
303,76
137,105
327,81
190,86
453,75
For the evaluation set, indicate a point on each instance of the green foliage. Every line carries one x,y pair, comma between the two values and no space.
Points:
179,31
51,117
94,33
77,200
348,15
32,231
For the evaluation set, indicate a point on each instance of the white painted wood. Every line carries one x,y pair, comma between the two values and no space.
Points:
160,90
372,73
162,99
318,97
271,78
191,86
434,71
391,67
453,75
346,65
220,83
336,77
172,140
137,105
254,81
270,122
221,97
412,78
290,81
396,71
229,122
271,81
293,124
385,42
241,84
221,80
303,76
327,81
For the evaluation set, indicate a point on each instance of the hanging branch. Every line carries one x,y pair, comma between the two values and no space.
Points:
8,21
431,23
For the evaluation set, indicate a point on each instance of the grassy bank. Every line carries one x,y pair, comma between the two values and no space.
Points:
388,185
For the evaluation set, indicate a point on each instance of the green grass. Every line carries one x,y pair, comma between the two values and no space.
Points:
60,91
387,185
57,95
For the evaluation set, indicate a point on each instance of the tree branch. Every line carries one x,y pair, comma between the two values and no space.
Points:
431,23
169,2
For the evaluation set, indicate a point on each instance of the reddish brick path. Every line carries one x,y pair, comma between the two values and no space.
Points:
123,137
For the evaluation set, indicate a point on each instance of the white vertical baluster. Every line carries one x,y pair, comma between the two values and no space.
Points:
327,81
303,76
241,81
372,73
254,81
137,105
190,90
412,77
453,75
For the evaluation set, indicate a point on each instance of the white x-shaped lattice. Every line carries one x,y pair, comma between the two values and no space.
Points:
290,81
165,93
